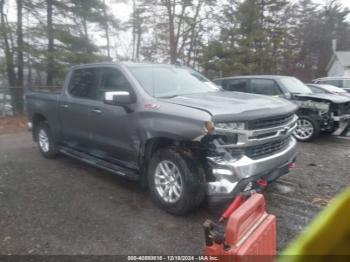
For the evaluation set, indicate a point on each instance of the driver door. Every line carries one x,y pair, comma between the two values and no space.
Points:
112,128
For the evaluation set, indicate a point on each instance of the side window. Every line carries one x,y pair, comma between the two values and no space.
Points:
265,87
112,79
239,85
218,82
333,82
83,83
346,83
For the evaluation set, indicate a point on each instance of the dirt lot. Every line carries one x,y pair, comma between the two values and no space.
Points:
66,207
9,125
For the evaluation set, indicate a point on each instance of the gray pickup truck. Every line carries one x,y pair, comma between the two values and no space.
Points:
168,127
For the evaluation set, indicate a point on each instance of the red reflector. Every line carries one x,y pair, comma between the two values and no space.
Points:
291,165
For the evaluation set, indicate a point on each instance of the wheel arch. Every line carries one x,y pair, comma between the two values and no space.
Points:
156,143
37,118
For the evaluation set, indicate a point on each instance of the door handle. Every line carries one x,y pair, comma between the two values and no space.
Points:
65,106
96,111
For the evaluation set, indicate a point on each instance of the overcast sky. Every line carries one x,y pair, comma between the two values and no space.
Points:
121,43
122,11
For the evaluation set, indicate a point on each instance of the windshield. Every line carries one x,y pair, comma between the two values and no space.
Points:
295,86
333,89
316,89
166,81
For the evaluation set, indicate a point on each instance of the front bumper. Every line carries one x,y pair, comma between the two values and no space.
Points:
341,118
235,176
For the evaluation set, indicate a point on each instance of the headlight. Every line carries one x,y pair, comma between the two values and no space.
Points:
209,127
231,125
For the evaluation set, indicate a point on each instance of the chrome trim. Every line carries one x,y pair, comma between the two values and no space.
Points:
247,138
246,167
109,95
341,118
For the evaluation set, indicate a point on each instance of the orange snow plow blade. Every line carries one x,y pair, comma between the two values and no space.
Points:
249,235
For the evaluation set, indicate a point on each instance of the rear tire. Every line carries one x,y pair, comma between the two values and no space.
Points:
175,181
307,129
46,143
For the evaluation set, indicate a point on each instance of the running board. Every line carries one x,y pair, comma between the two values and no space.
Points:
97,162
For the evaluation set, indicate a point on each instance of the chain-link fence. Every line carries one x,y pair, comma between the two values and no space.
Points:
11,101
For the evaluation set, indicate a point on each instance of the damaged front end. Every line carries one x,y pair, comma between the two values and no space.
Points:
241,153
332,117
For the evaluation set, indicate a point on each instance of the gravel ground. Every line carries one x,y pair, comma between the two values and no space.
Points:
63,206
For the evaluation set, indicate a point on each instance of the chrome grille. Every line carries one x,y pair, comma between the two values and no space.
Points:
266,149
270,122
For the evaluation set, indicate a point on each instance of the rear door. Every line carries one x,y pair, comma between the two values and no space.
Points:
75,107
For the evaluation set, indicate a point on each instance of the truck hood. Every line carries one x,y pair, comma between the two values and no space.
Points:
228,106
333,98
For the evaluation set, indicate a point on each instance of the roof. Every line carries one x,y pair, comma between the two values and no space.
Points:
127,64
342,56
332,77
254,76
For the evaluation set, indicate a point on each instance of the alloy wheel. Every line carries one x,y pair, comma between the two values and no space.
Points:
43,140
304,129
168,181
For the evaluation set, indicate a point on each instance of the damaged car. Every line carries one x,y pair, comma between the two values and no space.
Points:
318,113
169,128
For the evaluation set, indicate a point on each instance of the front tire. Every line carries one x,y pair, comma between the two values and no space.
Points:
307,129
175,181
46,143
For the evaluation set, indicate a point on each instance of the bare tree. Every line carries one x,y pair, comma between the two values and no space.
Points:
50,45
4,29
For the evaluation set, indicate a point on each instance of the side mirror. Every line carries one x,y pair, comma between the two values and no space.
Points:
288,95
119,98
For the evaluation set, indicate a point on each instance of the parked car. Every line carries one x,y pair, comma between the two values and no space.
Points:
341,82
328,89
167,126
6,109
317,112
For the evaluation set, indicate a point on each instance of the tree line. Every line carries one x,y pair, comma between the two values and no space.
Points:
217,37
